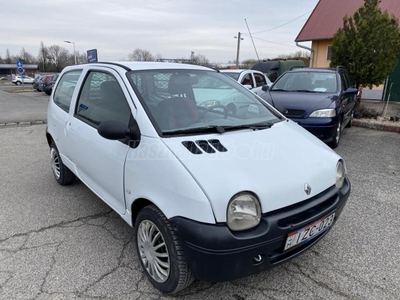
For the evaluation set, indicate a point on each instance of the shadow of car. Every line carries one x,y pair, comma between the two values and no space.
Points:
322,100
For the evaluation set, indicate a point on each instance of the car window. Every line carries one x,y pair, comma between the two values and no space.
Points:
234,75
182,99
247,80
102,99
307,81
260,79
345,82
65,88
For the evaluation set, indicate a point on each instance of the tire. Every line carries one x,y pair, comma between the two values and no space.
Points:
351,119
168,271
62,174
337,135
18,83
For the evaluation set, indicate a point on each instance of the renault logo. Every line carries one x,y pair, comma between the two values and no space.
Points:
307,188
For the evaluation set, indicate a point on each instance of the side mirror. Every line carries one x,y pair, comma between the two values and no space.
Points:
351,91
265,88
116,130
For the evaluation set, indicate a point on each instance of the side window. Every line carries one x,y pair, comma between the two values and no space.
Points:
260,80
345,82
247,80
102,99
65,88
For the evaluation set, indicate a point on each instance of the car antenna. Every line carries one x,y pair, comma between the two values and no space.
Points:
254,45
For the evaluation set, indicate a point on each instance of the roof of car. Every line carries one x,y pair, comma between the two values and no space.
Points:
312,69
236,70
145,65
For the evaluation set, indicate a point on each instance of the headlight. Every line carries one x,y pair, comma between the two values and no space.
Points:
340,174
324,113
243,212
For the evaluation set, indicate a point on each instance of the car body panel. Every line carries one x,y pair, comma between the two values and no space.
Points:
248,78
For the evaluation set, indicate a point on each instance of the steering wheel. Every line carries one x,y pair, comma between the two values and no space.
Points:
211,108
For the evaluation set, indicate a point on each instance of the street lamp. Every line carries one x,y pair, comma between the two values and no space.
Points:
239,38
73,43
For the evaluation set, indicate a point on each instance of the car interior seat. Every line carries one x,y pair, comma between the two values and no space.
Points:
179,110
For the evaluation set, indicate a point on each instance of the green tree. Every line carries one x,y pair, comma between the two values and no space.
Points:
367,45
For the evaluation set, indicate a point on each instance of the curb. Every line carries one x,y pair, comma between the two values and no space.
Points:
22,124
373,124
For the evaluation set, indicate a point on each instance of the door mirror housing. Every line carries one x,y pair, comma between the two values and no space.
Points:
350,91
265,88
116,130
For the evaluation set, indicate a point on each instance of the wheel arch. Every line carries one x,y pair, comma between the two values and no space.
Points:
137,206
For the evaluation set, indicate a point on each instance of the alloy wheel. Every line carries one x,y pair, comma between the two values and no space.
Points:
153,251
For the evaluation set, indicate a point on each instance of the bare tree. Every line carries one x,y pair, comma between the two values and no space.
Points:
43,57
200,59
141,55
58,57
26,57
8,57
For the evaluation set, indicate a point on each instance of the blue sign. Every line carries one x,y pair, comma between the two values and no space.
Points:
92,56
20,70
20,64
23,75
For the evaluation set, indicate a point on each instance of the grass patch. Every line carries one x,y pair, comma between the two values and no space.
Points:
19,91
363,112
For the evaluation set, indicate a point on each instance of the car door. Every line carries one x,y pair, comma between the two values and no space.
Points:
259,82
99,162
347,101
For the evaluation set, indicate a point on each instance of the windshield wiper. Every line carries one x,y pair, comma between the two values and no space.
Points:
279,90
220,129
205,129
257,126
304,91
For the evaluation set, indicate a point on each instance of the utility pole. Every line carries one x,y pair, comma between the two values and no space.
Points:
238,48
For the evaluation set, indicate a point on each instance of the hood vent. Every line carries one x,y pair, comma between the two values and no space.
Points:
191,146
209,146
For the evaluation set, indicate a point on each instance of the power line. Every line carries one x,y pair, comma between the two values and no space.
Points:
282,24
271,41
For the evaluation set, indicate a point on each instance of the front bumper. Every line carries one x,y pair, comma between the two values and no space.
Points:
322,128
214,253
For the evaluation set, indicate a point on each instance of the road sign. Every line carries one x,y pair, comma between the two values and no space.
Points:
23,75
20,70
20,64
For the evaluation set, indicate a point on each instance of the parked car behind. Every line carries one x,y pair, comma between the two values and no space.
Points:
46,81
252,79
211,196
321,100
275,68
18,80
48,85
37,82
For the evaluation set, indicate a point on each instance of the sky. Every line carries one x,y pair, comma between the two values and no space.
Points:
170,28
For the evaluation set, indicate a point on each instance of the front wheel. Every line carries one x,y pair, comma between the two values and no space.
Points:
63,175
160,252
18,83
337,135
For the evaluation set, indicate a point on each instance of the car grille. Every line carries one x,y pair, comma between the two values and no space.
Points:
294,113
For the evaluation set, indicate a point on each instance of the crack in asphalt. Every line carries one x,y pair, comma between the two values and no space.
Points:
319,283
52,264
60,224
11,276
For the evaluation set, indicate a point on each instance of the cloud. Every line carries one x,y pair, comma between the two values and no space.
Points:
172,28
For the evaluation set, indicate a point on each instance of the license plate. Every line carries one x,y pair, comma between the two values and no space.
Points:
308,232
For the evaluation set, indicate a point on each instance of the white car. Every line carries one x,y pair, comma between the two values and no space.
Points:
18,80
211,195
252,79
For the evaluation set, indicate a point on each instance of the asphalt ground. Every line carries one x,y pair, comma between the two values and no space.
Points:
65,243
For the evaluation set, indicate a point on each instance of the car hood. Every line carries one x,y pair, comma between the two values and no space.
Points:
275,164
300,100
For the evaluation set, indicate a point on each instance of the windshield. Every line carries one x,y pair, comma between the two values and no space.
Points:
188,101
307,81
232,75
